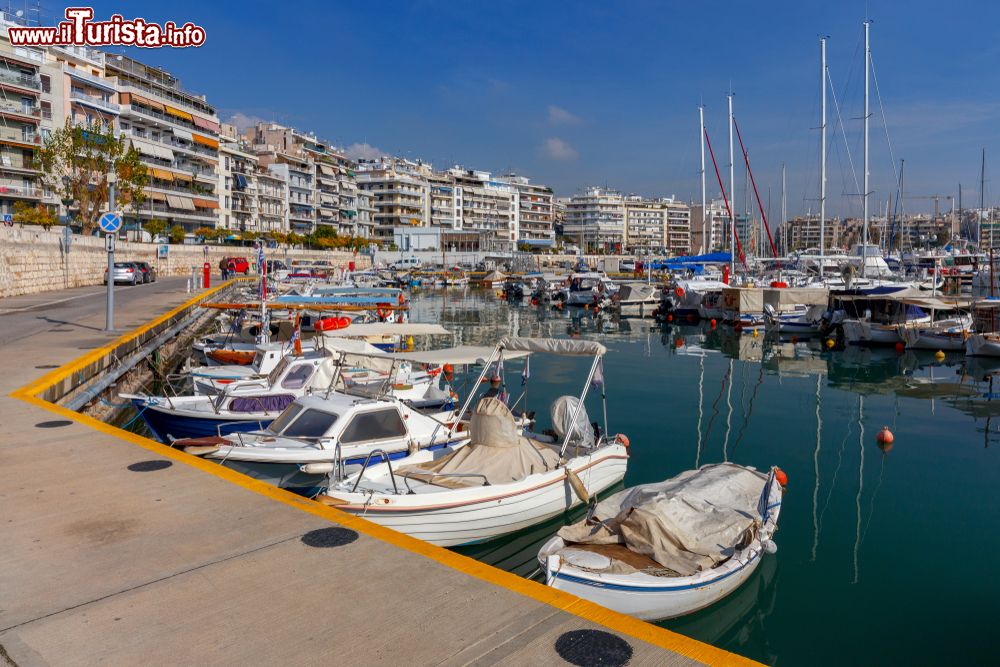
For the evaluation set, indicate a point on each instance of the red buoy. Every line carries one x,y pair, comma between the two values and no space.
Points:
713,323
670,318
780,475
900,347
678,343
885,436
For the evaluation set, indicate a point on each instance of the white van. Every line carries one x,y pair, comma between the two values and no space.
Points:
406,264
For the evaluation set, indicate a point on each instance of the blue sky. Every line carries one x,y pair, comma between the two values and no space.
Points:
606,93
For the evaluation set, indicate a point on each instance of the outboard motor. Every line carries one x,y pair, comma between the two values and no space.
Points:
581,431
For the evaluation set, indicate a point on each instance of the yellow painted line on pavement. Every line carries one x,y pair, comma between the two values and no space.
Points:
567,602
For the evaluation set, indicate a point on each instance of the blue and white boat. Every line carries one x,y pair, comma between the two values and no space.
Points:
322,436
694,540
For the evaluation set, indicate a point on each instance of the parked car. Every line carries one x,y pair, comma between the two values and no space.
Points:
148,272
125,272
406,264
236,264
627,265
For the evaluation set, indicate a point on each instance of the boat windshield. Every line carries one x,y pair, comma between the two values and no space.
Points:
285,418
276,372
310,424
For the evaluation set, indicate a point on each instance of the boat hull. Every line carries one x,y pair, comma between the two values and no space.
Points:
163,423
511,508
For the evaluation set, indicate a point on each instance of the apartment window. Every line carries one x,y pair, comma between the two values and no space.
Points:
46,84
125,126
227,163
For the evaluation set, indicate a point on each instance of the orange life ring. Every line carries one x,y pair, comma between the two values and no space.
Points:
622,438
383,312
679,292
402,299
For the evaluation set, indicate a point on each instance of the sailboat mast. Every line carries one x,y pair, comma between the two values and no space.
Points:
864,194
784,210
822,159
705,246
982,203
732,192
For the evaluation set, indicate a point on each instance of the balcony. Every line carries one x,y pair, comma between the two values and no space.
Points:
77,95
20,80
11,108
19,189
19,136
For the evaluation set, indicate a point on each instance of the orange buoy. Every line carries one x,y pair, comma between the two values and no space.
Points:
713,323
678,343
670,318
780,475
939,355
830,343
449,371
679,292
885,436
900,347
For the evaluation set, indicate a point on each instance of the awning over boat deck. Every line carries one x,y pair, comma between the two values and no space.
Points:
560,346
388,329
937,302
463,354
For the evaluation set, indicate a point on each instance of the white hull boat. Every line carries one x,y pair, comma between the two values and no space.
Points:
982,345
619,578
946,335
501,481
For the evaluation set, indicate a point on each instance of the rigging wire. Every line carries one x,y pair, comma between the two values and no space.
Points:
843,133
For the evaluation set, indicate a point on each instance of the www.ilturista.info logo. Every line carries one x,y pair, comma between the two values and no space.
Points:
79,30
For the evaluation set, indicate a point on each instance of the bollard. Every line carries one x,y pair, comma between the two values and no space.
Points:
207,271
189,286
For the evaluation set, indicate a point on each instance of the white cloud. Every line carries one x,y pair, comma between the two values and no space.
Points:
555,148
363,151
560,116
242,121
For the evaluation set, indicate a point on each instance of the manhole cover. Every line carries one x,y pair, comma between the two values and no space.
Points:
149,466
55,423
48,366
329,537
590,648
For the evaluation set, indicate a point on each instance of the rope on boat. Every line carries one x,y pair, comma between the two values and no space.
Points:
117,406
132,421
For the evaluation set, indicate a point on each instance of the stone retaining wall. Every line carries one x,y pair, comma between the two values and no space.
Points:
33,260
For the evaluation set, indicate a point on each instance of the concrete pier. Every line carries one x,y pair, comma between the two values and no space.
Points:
123,551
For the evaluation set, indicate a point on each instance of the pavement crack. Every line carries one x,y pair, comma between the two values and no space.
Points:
3,654
5,658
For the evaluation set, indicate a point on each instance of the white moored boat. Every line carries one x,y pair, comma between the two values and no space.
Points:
663,550
502,480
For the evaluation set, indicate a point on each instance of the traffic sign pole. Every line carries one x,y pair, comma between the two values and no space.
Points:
110,223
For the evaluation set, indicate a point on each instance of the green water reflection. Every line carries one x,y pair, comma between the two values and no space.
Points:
867,566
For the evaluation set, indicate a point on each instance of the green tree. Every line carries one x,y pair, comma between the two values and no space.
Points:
40,214
75,162
177,234
155,226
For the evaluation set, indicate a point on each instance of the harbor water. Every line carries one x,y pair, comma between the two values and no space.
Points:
871,542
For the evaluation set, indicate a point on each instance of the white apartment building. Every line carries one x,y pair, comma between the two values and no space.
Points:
399,192
536,211
708,229
488,207
595,219
177,135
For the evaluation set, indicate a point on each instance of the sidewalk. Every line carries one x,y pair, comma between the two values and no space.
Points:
123,551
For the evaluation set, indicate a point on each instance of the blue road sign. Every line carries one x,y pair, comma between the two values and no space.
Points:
110,222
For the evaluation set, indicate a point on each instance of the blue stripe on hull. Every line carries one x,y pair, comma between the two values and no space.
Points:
162,424
651,589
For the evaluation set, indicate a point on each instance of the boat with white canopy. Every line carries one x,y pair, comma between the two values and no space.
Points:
503,480
662,550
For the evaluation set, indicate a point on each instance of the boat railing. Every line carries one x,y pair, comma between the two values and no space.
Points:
238,434
382,453
429,476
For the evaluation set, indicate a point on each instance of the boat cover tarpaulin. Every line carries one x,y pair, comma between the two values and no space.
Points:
687,524
709,258
463,354
743,299
387,329
783,297
561,346
496,450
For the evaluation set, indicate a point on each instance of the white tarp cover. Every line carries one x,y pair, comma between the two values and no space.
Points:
463,354
638,292
496,450
743,299
563,346
387,329
562,411
353,346
687,524
790,296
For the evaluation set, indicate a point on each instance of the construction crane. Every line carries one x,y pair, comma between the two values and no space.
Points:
937,201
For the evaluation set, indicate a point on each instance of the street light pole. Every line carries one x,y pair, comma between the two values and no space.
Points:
109,322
